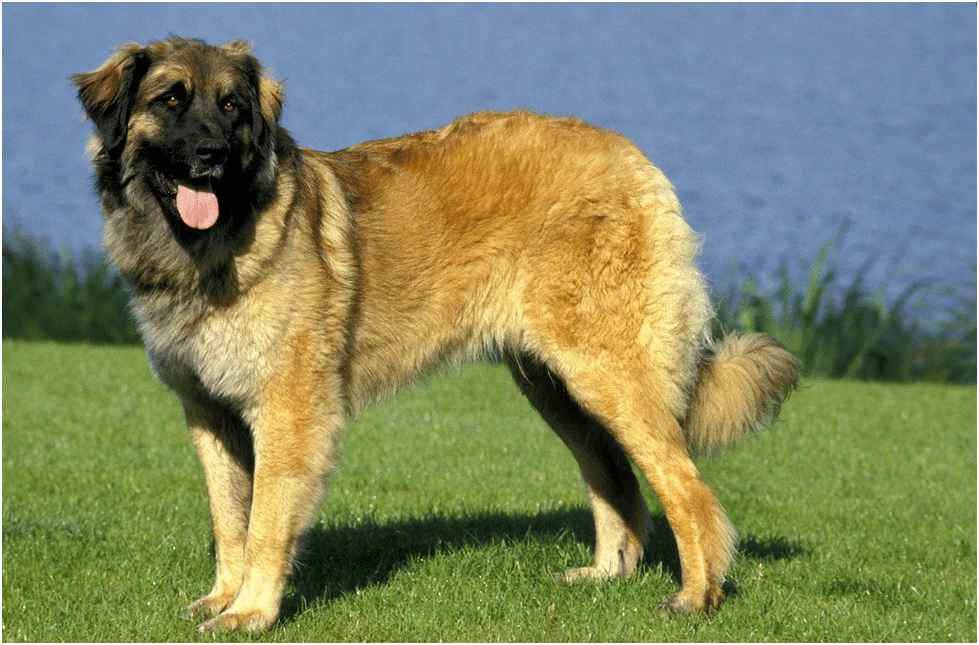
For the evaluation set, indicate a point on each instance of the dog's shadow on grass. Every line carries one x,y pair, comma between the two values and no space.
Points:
338,560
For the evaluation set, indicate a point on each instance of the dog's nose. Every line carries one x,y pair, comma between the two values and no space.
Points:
213,151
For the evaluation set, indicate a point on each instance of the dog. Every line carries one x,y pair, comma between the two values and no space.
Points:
279,290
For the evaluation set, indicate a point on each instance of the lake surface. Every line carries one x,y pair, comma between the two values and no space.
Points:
778,124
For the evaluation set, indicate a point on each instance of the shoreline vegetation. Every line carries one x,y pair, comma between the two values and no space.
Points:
836,331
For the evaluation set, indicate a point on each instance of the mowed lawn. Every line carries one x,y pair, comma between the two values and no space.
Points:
454,503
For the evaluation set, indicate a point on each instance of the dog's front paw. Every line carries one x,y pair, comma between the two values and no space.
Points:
252,621
207,606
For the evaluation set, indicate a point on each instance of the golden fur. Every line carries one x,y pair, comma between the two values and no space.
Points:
331,279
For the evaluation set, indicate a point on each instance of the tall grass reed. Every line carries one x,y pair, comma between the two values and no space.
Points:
51,296
849,332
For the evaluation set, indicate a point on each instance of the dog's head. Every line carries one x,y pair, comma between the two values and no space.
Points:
187,122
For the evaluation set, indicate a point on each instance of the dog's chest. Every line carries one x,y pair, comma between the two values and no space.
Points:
224,356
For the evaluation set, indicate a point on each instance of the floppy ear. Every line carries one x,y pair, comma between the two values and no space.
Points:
107,94
267,101
266,97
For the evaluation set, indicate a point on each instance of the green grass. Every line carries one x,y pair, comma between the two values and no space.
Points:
453,504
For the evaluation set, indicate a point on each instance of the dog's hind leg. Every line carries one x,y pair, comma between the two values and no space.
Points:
621,517
626,401
224,447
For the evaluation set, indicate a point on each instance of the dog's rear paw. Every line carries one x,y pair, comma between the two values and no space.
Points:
683,603
582,573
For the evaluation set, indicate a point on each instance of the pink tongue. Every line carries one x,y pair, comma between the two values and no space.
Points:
197,208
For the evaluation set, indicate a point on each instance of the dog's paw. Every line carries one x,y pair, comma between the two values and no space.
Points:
582,573
206,606
684,603
252,621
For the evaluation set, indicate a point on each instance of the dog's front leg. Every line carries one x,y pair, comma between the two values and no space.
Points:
294,433
224,447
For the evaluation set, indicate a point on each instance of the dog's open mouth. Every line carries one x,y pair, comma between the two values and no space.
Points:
194,200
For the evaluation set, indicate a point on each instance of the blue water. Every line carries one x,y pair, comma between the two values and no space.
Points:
778,124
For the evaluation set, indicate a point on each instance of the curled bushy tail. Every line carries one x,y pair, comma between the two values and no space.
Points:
738,388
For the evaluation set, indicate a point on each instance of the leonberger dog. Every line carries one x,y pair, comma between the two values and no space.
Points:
280,289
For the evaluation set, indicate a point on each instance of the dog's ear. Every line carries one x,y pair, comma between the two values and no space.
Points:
267,101
266,97
107,94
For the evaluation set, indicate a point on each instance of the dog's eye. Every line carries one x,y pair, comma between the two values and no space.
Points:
175,96
228,106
